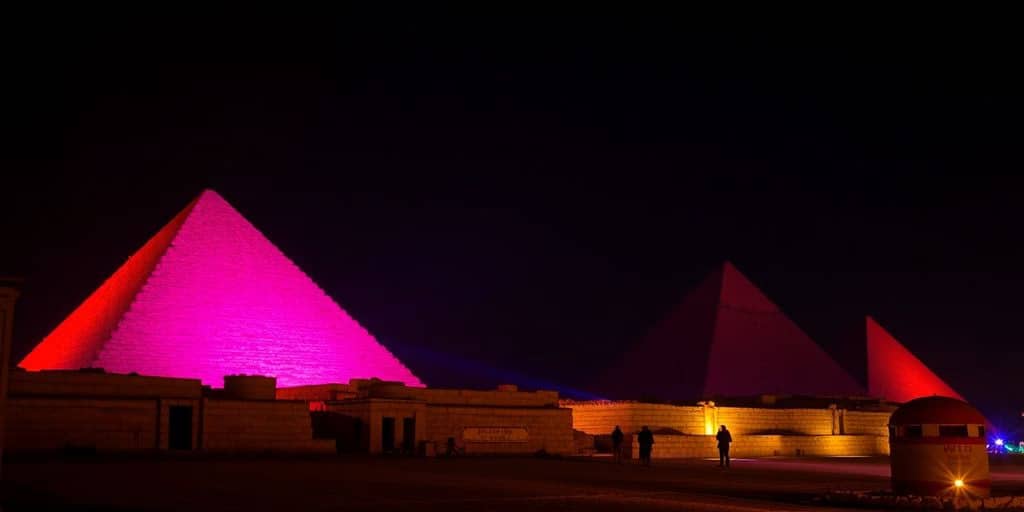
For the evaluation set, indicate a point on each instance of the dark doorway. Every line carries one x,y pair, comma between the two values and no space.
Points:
408,435
347,431
387,435
357,436
180,427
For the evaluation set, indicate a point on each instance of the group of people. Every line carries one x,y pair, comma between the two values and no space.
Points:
645,440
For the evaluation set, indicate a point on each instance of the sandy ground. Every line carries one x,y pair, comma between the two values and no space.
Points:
363,483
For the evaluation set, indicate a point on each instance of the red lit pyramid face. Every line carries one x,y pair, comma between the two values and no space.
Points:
726,338
895,374
210,296
758,349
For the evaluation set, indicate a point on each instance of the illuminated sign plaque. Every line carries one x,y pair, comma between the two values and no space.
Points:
495,435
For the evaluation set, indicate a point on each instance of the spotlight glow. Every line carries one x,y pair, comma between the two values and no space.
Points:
958,483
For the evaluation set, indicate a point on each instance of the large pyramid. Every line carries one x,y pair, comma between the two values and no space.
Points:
210,296
726,338
897,375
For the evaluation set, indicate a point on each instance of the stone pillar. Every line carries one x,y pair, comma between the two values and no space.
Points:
8,294
838,419
710,417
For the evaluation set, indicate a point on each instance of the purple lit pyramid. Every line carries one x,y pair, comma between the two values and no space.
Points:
726,339
210,296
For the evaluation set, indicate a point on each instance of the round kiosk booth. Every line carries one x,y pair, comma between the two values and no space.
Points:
937,447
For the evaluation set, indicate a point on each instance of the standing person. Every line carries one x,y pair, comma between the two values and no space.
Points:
617,444
646,441
724,439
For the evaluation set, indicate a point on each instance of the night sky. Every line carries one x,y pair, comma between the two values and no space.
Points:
509,199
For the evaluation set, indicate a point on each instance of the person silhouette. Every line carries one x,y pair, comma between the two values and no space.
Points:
617,444
724,440
646,441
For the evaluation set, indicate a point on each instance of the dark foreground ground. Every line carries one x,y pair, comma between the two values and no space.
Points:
499,484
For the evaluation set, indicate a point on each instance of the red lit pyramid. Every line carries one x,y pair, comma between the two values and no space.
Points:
895,374
727,339
210,296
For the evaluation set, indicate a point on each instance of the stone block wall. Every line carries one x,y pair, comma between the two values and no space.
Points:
758,432
256,426
750,420
43,424
818,445
866,422
492,398
549,429
678,447
599,418
583,443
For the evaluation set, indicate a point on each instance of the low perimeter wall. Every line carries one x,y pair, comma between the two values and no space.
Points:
136,425
685,447
600,418
49,425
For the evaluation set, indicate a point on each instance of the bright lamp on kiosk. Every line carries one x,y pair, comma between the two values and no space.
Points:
937,447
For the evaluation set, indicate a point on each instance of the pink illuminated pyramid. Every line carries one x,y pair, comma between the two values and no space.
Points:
726,339
210,296
897,375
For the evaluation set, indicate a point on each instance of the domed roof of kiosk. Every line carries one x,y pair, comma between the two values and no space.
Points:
936,410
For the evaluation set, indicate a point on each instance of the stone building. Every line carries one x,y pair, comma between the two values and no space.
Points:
93,411
388,417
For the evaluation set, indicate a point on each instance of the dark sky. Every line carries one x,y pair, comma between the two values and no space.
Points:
529,196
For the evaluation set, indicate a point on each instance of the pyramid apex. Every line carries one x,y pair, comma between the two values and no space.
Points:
728,338
728,268
209,192
737,290
895,373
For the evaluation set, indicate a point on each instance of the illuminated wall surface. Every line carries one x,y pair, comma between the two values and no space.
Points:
895,374
210,296
727,339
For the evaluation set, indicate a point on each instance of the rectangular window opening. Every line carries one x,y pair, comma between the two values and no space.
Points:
952,430
913,431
